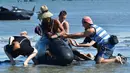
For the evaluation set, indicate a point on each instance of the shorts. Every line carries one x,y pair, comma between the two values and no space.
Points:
105,53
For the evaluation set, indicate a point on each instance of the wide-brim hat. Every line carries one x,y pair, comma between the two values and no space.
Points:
45,12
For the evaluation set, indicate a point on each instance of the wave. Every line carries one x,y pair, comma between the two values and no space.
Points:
123,41
5,39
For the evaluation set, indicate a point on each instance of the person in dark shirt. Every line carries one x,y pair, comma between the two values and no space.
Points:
20,45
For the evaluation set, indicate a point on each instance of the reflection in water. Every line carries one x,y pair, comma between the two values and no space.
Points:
82,67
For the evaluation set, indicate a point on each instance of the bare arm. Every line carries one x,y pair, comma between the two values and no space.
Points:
61,28
30,57
66,27
76,44
87,33
86,44
62,31
75,35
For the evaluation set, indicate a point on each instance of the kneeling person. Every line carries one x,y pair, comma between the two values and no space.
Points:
20,45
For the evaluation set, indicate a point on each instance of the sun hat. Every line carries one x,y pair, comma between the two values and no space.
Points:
87,19
45,12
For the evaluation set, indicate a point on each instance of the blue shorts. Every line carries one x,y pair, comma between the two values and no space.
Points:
104,52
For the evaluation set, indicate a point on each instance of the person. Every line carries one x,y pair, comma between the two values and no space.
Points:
20,45
49,28
99,36
65,24
63,21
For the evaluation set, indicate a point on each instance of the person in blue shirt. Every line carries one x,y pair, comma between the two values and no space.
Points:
99,36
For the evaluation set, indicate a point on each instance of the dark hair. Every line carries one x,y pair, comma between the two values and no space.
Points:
63,12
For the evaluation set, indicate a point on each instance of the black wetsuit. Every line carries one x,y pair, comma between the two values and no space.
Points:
25,47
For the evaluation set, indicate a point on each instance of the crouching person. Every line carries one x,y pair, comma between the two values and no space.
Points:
20,45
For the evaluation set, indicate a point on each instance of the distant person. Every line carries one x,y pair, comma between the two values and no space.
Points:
20,45
101,37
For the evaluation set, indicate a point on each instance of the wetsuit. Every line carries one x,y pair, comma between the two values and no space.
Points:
25,47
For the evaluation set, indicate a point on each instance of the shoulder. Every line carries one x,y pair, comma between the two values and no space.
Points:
89,31
66,22
56,21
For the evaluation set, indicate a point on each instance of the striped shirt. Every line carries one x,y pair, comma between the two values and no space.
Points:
101,36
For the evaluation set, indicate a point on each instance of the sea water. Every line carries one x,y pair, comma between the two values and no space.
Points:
112,15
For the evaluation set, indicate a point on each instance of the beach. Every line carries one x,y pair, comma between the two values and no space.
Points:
112,15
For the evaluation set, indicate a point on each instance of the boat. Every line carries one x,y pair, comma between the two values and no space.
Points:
15,13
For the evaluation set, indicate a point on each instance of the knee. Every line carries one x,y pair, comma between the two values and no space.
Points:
99,60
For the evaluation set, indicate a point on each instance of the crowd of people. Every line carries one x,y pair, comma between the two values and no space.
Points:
50,28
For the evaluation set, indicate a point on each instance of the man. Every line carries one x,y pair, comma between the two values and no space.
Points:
99,36
49,28
65,24
20,45
63,21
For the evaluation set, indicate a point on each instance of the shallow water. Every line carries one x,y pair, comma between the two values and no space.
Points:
112,15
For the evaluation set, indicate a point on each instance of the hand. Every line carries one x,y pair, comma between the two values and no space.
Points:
64,36
72,42
54,36
49,34
25,64
77,44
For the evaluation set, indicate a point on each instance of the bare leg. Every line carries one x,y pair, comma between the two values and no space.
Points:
117,59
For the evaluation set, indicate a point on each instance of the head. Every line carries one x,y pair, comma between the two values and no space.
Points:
86,21
45,13
23,33
63,15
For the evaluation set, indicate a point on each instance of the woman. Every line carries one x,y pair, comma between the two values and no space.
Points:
49,29
20,45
